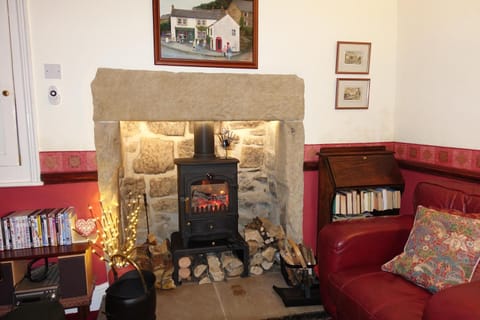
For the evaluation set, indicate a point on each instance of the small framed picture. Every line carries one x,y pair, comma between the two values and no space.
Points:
352,93
353,57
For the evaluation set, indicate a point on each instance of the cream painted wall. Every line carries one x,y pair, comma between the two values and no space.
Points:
295,37
438,68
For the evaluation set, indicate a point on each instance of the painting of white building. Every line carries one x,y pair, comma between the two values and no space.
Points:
213,29
213,33
224,32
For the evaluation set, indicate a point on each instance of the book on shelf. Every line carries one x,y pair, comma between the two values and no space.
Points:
36,228
354,202
2,246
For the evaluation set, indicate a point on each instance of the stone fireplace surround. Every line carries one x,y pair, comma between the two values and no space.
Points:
137,95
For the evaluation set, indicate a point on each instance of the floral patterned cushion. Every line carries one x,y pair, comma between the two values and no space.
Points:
442,250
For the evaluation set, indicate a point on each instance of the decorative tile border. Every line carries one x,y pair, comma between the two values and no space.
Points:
458,158
466,159
68,161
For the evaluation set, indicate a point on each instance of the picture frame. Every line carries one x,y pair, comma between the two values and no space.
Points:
206,36
353,57
352,93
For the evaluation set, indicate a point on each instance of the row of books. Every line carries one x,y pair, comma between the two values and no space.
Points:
37,228
357,202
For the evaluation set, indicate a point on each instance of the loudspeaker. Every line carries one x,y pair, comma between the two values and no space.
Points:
11,272
75,275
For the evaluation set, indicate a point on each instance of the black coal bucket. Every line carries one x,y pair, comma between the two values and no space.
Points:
132,296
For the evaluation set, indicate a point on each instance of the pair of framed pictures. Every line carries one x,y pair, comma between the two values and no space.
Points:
352,58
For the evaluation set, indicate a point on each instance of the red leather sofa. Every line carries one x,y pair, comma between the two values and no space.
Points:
350,255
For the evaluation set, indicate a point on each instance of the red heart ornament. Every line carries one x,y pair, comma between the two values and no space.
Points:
85,227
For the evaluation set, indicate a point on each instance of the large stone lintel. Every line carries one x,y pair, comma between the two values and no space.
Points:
153,95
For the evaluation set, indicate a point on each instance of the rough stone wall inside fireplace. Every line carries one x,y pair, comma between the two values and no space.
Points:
148,150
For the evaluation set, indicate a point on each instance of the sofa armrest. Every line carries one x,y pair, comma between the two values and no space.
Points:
457,302
355,243
372,241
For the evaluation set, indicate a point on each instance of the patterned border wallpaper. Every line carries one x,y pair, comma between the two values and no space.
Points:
68,161
467,159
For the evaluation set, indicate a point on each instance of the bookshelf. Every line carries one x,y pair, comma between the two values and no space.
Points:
76,278
355,170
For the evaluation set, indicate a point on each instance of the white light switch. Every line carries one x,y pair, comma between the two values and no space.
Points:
52,71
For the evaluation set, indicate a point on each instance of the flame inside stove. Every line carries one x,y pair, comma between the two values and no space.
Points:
209,196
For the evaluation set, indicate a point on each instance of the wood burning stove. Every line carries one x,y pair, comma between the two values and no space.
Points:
207,202
207,199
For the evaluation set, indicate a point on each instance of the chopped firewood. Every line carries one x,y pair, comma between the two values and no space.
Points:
184,273
253,247
267,265
256,259
267,224
199,270
164,279
205,280
256,270
307,255
184,262
255,224
233,266
269,254
298,258
214,268
253,235
287,257
276,232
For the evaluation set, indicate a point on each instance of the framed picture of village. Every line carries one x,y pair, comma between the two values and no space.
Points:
206,33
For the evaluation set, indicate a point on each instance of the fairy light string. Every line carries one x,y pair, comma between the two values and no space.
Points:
113,237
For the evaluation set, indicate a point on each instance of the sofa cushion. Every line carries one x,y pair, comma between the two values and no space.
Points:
472,203
433,195
370,293
442,250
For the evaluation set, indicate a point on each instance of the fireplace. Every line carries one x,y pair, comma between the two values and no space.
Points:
270,105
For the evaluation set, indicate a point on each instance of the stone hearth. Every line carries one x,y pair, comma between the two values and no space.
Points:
270,104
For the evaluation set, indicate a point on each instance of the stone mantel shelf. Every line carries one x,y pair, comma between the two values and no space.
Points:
137,95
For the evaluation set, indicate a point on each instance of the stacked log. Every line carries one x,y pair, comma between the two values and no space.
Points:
161,260
205,268
263,239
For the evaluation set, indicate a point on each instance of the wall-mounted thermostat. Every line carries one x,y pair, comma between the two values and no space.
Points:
53,95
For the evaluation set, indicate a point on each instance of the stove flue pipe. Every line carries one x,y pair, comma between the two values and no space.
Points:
203,140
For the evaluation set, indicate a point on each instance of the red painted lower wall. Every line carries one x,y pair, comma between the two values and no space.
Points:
81,194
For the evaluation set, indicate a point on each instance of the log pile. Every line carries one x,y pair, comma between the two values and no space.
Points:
298,261
205,268
158,259
263,239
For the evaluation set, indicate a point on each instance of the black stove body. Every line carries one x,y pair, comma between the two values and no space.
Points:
207,202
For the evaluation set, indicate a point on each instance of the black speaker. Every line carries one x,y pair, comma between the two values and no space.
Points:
11,272
75,275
